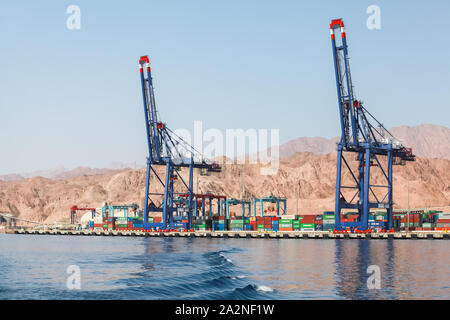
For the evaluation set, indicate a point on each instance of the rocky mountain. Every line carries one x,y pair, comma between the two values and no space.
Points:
309,176
84,171
429,141
426,140
63,173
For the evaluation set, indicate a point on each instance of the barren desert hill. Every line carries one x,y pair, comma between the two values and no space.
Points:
308,175
426,140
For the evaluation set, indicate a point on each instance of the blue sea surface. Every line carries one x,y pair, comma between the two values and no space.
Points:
36,267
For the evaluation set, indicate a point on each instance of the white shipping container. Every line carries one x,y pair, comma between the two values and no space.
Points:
289,216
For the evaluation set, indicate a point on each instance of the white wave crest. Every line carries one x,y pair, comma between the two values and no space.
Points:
264,288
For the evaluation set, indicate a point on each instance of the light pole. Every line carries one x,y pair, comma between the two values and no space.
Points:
407,175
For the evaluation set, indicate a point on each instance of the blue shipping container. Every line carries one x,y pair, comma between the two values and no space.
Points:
154,225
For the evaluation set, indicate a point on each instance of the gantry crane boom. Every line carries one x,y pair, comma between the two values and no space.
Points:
363,134
165,148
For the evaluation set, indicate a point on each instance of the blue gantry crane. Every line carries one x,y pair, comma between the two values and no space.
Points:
373,145
165,148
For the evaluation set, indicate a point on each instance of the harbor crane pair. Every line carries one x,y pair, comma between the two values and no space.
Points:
361,134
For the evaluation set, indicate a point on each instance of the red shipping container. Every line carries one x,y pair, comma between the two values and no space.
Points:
307,219
443,221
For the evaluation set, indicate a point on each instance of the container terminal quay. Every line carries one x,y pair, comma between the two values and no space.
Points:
127,220
364,206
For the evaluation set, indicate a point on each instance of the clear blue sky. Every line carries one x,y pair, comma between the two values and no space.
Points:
73,97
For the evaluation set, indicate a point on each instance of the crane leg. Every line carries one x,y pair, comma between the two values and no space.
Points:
337,209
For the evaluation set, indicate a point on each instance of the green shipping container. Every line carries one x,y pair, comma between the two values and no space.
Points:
105,226
307,225
285,221
122,226
260,226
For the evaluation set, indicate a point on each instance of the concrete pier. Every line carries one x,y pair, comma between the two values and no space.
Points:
318,235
